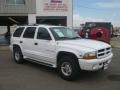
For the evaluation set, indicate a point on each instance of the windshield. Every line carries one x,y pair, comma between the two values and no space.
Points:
63,33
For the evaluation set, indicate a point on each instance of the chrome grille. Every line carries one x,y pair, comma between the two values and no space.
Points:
103,52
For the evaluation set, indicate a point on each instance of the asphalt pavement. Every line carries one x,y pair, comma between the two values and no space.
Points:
31,76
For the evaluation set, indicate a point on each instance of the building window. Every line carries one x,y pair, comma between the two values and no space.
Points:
15,2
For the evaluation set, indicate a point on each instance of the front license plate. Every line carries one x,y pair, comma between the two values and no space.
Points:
105,65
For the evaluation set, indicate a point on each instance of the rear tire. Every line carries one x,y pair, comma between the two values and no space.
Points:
68,68
18,56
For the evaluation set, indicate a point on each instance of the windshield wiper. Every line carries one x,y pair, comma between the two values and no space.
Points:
76,38
65,38
69,38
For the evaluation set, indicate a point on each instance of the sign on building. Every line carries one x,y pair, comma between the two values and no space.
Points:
55,5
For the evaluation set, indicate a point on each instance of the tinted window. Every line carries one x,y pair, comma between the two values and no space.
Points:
43,34
29,32
18,32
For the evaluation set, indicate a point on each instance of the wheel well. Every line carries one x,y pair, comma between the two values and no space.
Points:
63,53
16,46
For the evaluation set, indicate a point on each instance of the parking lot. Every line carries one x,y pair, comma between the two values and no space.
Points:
31,76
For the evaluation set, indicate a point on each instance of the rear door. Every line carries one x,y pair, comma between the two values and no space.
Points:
27,42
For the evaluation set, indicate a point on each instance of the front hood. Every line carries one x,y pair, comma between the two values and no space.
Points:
84,44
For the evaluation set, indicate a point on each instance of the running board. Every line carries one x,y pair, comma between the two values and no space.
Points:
38,62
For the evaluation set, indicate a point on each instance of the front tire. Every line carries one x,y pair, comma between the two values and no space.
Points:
68,68
18,57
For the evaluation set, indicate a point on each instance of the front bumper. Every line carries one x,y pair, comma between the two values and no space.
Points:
95,64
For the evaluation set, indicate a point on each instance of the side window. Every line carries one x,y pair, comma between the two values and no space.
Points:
43,34
18,32
29,32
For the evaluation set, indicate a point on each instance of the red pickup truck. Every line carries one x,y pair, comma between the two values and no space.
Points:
97,30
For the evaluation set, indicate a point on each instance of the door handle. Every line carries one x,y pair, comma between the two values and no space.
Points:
35,43
21,41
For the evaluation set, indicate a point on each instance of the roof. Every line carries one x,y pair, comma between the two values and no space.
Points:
40,25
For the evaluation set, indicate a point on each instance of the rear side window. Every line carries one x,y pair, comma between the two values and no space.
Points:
29,32
18,32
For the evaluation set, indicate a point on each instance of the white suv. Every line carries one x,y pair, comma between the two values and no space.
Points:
59,47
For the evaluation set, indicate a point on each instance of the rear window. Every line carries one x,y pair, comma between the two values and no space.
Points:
18,32
29,32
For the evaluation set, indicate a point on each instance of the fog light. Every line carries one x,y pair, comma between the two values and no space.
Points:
95,67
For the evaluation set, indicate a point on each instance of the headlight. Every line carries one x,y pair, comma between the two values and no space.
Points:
90,55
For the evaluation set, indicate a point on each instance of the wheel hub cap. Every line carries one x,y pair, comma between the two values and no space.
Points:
66,69
17,56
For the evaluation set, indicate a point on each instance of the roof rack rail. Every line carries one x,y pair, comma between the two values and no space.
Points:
27,24
36,24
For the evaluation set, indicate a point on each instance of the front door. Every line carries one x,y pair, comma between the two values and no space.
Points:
45,46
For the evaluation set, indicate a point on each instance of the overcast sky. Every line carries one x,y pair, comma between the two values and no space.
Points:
96,10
